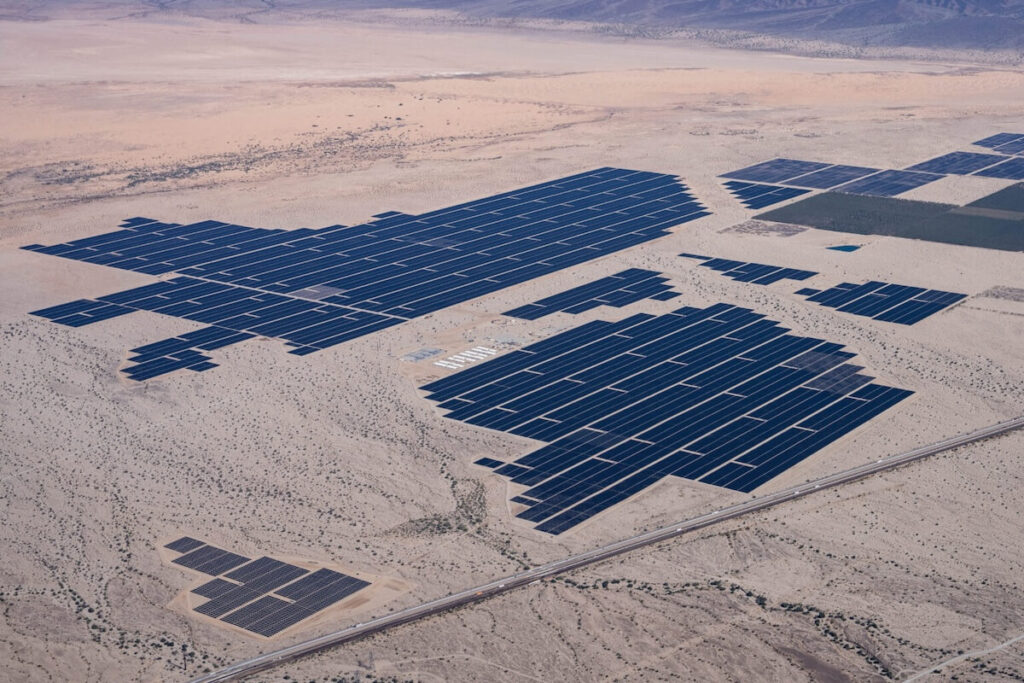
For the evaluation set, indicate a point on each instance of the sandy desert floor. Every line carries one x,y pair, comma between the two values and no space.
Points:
337,458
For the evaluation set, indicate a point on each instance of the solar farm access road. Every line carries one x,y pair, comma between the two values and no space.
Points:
272,659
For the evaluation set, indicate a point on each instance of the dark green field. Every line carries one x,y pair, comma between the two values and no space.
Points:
993,222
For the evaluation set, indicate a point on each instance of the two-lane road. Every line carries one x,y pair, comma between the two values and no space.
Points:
271,659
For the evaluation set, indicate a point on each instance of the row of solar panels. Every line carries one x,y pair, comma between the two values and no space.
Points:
264,596
764,184
318,288
721,395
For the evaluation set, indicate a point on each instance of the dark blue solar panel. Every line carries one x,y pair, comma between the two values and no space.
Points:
776,170
887,302
999,139
617,290
318,288
830,177
688,394
754,273
210,560
184,544
1011,147
889,183
960,163
243,596
1012,169
757,196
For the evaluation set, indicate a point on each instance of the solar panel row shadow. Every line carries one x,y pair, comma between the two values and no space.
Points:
754,273
882,301
241,596
757,196
720,395
318,288
621,289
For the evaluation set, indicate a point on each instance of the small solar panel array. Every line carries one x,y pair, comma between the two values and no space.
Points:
617,290
882,301
263,596
720,395
754,273
318,288
766,183
758,195
840,178
1004,143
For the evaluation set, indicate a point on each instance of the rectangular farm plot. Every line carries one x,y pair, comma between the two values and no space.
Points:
719,395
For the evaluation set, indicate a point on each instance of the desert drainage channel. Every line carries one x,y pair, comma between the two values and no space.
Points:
488,590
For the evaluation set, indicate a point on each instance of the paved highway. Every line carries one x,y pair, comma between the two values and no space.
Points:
271,659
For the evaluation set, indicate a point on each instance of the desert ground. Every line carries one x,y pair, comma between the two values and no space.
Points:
336,458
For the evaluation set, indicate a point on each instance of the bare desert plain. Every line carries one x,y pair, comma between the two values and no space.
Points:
336,458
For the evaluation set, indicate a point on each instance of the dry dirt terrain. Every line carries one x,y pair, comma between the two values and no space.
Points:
337,459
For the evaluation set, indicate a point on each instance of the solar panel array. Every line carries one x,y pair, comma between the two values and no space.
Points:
720,395
1011,169
318,288
264,596
617,290
748,184
776,170
882,301
808,174
757,196
889,183
958,163
1005,143
754,273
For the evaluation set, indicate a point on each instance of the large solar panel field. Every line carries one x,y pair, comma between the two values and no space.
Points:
263,596
720,395
318,288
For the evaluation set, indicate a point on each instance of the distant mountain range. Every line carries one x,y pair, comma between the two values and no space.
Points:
924,24
973,24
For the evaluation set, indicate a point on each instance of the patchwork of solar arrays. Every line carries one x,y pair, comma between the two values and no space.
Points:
758,196
754,273
881,301
617,290
318,288
748,184
264,596
841,178
720,395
